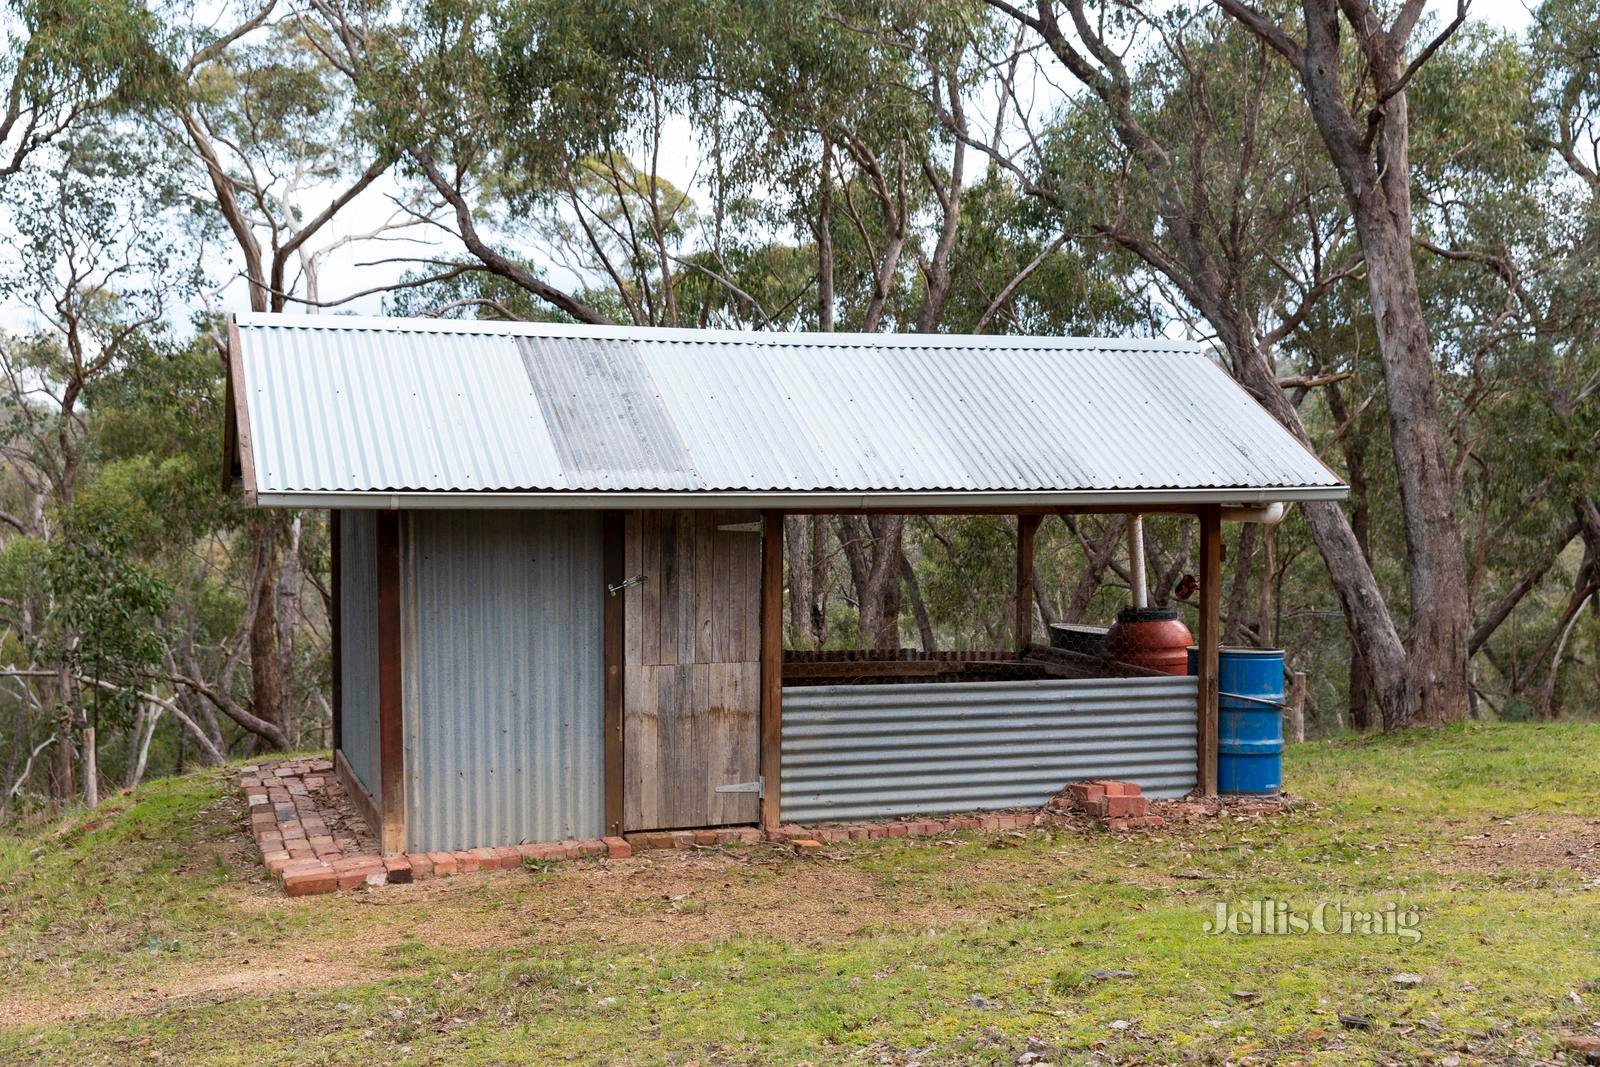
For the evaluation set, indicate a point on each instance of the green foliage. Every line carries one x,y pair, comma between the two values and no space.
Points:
106,609
966,567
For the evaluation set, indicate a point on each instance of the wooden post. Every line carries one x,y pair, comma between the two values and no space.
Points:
1210,634
1297,708
335,520
391,728
614,545
771,666
91,769
1027,528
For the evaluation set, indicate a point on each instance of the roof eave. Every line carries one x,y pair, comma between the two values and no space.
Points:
828,500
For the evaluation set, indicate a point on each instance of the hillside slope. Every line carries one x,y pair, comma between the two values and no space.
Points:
145,931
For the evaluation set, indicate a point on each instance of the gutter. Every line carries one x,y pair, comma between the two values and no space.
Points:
1241,505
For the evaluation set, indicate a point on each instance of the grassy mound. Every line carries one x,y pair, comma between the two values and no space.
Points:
146,930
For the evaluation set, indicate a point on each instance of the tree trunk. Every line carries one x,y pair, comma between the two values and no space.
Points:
1297,708
91,769
1267,604
888,532
1093,573
1375,175
1441,621
872,547
1244,556
287,616
821,576
266,680
798,550
1352,443
1549,710
63,786
1041,597
919,610
1360,691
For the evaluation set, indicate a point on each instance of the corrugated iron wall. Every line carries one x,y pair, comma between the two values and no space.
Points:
358,645
503,677
871,751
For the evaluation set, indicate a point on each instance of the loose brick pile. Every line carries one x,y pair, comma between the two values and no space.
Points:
1120,804
313,842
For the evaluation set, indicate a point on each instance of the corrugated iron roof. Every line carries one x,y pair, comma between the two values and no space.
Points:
337,409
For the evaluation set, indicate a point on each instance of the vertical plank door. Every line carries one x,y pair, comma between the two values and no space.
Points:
692,674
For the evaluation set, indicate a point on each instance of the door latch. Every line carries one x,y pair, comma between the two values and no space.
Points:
637,579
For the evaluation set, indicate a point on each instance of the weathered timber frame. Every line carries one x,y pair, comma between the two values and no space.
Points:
1209,642
613,571
335,520
771,666
238,457
1022,629
391,827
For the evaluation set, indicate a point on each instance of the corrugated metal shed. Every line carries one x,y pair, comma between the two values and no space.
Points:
345,412
871,751
358,636
503,678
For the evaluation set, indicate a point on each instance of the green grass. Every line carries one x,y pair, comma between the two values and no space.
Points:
139,932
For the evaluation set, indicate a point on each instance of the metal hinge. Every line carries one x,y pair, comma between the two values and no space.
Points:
758,787
759,526
637,579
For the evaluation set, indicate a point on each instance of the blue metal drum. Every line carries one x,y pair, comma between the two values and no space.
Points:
1249,719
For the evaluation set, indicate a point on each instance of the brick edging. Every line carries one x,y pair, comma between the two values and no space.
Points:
301,853
296,848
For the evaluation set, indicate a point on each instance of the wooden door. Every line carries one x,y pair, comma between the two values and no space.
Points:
692,670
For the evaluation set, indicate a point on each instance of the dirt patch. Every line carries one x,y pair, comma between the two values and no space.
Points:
1540,843
671,898
666,898
216,980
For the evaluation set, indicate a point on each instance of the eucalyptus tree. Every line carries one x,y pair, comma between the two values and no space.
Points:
1528,231
267,118
1359,103
906,230
1251,222
98,258
533,121
63,64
